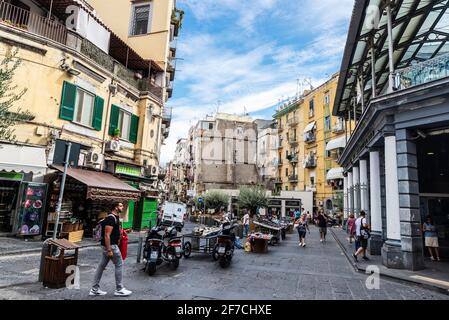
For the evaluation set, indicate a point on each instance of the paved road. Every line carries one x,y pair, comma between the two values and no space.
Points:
319,271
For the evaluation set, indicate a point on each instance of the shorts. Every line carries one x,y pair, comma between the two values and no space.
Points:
431,242
323,230
302,234
360,242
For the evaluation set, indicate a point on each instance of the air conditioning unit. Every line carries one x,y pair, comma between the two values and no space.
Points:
94,158
113,145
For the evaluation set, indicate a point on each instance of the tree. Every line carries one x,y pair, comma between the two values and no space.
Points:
8,96
252,198
216,200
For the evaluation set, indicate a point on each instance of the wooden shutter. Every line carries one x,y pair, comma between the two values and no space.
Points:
113,122
67,107
134,129
98,113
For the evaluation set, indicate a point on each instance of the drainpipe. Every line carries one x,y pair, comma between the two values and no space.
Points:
373,70
390,49
108,111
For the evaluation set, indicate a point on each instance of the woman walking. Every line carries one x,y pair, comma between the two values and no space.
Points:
350,227
431,237
303,227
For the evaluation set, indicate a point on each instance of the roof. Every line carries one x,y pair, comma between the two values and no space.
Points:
101,185
420,32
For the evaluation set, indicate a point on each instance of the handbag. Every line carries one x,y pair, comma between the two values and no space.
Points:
123,243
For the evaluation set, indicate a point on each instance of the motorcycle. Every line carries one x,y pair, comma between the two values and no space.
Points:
224,249
162,244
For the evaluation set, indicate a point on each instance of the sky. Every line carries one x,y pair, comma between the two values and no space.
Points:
238,56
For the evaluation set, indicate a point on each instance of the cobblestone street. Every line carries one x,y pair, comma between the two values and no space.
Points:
318,271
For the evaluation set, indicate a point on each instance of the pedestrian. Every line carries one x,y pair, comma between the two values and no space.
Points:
361,236
431,237
350,227
297,214
322,225
302,228
245,223
110,237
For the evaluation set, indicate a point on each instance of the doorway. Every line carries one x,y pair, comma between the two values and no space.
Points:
9,191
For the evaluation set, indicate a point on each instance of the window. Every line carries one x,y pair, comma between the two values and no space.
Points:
327,123
286,172
327,99
211,126
84,107
152,133
311,108
124,124
286,188
312,181
140,22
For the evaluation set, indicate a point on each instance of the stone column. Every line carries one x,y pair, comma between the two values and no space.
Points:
345,198
350,194
375,242
364,199
409,208
356,184
391,250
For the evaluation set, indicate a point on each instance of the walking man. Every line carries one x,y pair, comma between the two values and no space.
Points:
245,224
322,225
361,236
110,237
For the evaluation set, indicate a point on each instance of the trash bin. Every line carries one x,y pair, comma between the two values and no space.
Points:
56,261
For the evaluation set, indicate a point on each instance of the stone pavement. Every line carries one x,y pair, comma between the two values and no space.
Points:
318,271
435,276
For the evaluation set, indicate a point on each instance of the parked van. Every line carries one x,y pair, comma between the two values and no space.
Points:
173,214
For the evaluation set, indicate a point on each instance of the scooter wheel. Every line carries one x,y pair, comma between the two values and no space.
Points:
175,264
215,253
150,268
224,262
187,249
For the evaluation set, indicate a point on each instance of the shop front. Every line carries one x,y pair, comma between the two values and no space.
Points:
88,196
22,193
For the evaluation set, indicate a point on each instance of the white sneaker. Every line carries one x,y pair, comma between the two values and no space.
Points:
97,292
123,292
321,240
300,244
304,244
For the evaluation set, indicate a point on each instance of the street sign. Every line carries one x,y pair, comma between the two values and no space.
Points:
200,200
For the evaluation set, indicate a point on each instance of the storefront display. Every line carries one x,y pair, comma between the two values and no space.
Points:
31,209
9,191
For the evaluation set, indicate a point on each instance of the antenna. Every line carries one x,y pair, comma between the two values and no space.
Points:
297,88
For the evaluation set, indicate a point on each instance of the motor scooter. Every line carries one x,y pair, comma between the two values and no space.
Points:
162,244
224,249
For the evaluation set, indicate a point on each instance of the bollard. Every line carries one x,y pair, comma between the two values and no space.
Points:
139,248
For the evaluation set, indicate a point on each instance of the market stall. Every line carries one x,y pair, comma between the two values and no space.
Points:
259,242
87,198
269,227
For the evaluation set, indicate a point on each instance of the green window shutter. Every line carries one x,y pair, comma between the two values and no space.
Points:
134,129
113,123
67,108
98,113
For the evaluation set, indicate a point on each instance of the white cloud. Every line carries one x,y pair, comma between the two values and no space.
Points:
253,73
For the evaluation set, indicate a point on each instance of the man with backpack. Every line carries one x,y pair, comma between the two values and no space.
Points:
361,236
110,237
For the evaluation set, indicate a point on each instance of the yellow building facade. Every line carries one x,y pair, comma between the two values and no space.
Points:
88,86
312,140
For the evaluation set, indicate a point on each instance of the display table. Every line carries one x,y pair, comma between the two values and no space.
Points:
259,242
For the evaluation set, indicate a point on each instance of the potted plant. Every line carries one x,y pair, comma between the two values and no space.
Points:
116,134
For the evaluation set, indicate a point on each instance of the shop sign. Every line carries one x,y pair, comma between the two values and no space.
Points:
275,203
128,170
292,203
11,176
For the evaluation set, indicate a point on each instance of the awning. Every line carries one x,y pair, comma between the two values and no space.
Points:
101,185
334,173
310,127
336,143
23,159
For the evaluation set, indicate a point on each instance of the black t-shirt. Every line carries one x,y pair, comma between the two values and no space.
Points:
112,221
322,221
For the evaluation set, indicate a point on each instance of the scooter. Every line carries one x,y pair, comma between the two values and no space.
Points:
162,244
224,249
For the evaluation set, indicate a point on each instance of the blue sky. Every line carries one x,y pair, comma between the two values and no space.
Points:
247,54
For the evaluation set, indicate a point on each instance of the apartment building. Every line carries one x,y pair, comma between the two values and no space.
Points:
97,77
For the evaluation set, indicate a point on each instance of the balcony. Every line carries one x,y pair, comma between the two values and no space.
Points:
338,127
293,142
420,73
292,158
278,180
310,162
309,137
33,23
293,178
176,20
293,121
167,115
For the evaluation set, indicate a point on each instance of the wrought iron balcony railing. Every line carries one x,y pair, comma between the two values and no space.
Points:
310,162
309,137
293,178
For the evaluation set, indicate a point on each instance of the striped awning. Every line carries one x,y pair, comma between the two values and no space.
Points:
335,173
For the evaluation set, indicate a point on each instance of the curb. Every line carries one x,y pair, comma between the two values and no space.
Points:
36,250
384,275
